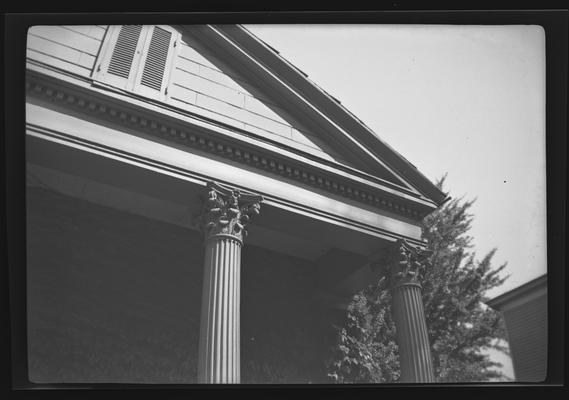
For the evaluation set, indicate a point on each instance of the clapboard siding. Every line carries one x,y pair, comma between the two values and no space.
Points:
197,73
58,63
209,88
187,65
73,48
186,100
221,78
527,330
93,31
68,38
56,50
182,95
196,81
189,53
196,85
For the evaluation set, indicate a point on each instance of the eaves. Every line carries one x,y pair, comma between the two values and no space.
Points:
166,122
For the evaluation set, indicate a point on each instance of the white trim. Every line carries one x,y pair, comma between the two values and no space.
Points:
199,164
314,110
200,125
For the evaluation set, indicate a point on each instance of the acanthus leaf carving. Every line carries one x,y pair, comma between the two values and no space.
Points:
405,264
227,211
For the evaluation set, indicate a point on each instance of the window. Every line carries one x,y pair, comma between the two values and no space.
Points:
138,58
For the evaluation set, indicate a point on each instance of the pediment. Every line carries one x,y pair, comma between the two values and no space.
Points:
213,80
203,82
225,77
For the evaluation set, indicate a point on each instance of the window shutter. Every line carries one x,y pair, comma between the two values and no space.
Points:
156,64
120,55
153,72
124,51
138,58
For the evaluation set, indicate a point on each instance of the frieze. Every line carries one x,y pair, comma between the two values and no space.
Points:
230,151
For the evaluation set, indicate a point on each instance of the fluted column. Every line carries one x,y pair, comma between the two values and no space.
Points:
223,221
409,315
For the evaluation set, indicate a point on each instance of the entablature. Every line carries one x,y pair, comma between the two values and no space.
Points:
165,123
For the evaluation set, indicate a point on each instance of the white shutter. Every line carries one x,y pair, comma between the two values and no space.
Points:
155,69
138,58
120,56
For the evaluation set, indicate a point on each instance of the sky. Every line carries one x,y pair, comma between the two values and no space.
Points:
464,100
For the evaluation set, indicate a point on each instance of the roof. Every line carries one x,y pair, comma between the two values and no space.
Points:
333,107
519,292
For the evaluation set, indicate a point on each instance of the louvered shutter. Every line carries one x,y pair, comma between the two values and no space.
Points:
124,51
156,64
120,56
138,58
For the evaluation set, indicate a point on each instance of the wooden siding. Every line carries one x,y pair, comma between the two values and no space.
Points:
199,86
527,331
72,48
196,85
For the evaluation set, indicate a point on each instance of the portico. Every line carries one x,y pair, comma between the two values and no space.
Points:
351,214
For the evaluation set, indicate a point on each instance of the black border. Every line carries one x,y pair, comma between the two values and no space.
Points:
555,23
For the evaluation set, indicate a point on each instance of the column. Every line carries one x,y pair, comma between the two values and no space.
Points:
409,316
224,219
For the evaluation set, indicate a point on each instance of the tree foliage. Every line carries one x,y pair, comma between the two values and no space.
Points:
460,326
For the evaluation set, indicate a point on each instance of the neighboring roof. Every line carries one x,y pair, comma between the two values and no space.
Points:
519,292
331,106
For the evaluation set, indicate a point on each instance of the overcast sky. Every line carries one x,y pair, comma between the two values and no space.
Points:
467,100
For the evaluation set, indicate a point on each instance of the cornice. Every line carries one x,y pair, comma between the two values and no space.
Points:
299,80
341,185
202,180
214,38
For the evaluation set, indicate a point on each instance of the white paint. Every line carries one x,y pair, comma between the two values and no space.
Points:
206,165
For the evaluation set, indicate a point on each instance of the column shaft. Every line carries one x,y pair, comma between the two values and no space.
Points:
412,336
219,345
225,216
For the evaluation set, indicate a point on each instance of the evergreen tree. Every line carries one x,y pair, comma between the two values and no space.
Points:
460,325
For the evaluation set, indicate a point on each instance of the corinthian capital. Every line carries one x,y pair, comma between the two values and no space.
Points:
405,264
227,211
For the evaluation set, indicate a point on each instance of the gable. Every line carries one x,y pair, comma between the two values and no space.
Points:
265,105
156,62
187,70
338,122
199,85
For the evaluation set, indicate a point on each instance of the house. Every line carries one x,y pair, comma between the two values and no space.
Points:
525,313
198,210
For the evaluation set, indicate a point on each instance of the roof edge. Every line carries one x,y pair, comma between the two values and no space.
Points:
513,294
311,91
